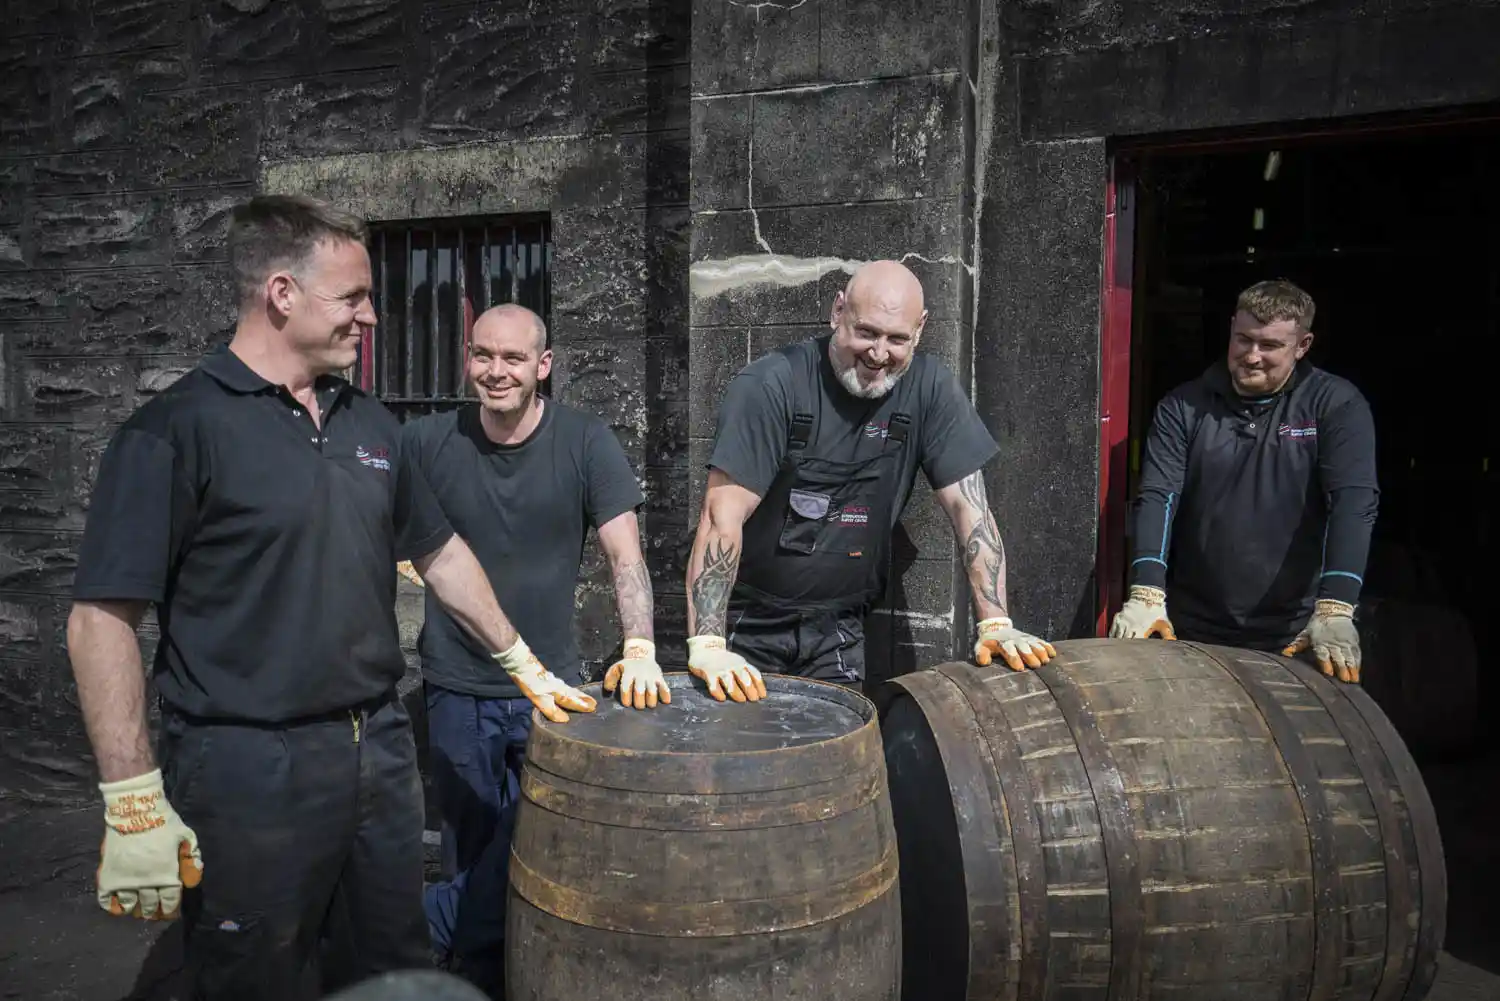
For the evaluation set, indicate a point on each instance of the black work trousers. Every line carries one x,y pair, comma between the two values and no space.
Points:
296,823
822,645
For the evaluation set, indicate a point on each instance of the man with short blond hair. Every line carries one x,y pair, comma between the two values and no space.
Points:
1257,498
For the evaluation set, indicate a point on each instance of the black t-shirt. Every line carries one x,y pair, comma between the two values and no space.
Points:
755,418
267,543
525,510
1250,510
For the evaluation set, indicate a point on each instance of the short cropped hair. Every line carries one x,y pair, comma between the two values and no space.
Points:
272,232
1277,300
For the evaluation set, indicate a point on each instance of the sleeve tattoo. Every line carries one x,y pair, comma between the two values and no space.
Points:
721,562
633,596
984,553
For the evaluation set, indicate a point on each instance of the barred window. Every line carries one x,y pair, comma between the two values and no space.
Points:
432,278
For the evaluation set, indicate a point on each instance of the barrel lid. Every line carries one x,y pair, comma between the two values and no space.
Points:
794,712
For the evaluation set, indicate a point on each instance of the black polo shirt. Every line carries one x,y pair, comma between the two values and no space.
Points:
1251,509
268,544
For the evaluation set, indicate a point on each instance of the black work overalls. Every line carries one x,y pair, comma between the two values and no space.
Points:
816,556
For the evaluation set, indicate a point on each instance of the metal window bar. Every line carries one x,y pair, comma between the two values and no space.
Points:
415,360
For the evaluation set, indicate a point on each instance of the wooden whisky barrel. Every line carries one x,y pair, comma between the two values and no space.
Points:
706,851
1156,820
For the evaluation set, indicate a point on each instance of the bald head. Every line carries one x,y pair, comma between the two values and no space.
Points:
888,290
505,319
877,321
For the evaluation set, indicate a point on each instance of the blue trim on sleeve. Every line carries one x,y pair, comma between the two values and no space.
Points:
1166,527
1343,573
1148,559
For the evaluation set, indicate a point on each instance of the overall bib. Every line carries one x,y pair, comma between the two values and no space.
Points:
816,556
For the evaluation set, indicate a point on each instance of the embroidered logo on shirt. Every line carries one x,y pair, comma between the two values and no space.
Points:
881,430
1298,430
375,458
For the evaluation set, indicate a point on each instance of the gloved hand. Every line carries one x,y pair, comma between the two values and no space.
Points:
725,672
405,569
545,689
638,675
1331,636
1019,650
148,854
1144,615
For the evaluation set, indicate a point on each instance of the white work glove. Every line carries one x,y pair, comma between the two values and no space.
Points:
405,569
711,661
545,690
1332,637
638,676
148,854
1143,615
1019,650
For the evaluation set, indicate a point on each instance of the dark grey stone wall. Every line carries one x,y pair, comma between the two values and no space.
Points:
1070,76
129,127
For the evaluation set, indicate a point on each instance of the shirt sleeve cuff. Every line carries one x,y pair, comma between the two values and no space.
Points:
1340,586
1149,571
128,590
431,544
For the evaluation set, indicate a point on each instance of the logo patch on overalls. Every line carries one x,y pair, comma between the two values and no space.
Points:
854,514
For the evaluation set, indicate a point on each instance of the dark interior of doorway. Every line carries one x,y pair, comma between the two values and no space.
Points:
1395,237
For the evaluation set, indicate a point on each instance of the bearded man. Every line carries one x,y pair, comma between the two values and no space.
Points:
817,450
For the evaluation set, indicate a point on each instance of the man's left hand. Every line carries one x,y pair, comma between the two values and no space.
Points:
1019,650
1332,637
638,676
549,693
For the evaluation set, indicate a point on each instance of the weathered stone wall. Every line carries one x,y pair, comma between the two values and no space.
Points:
128,128
827,133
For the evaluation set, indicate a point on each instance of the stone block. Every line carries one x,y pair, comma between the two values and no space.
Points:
721,154
47,472
914,628
636,100
99,230
346,112
40,695
253,39
75,389
33,17
604,378
358,33
741,45
200,222
182,311
29,295
88,171
764,340
869,39
96,103
133,25
498,71
636,34
25,630
668,241
666,432
38,562
46,768
666,159
699,450
880,141
925,531
26,93
197,137
734,279
599,274
666,532
671,630
715,356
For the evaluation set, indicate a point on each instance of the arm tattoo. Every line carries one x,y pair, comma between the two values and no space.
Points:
984,553
633,596
721,562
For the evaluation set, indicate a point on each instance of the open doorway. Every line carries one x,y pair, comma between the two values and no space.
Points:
1395,236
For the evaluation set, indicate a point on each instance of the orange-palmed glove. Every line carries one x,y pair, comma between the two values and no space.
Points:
148,854
725,672
545,690
638,676
1019,650
1332,637
1143,615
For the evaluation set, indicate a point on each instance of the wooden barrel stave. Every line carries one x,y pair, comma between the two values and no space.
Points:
1214,765
706,874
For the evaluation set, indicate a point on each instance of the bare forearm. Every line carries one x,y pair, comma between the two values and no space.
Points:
711,573
983,550
459,583
111,681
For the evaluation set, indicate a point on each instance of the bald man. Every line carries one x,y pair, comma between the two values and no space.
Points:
817,450
522,479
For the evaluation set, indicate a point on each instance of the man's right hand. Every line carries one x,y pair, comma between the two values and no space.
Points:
148,854
549,693
1144,615
724,672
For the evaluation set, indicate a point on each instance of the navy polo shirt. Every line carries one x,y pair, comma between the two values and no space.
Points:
268,543
1251,509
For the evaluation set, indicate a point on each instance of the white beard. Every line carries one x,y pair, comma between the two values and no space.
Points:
849,379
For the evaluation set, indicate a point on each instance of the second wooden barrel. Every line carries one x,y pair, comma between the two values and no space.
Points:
1158,820
706,851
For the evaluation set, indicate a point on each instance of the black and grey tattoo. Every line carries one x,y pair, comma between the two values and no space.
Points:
721,562
633,596
984,553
